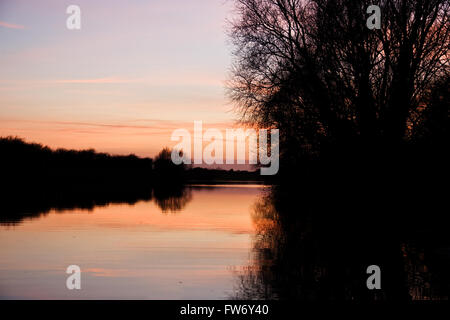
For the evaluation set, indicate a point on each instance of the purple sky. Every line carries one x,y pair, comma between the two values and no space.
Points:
134,72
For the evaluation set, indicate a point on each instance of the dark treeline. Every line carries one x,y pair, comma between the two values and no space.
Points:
25,163
36,179
217,176
29,163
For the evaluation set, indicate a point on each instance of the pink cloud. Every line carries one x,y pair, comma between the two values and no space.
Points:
11,25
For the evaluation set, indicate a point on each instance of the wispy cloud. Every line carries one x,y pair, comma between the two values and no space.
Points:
175,79
11,25
6,84
155,81
154,124
100,80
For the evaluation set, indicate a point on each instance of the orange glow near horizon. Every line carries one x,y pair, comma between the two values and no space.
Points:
144,138
122,83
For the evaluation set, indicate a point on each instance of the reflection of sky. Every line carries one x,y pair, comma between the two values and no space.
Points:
132,251
132,67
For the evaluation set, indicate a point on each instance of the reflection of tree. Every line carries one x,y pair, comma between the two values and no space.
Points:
254,281
173,198
28,205
307,249
169,192
38,201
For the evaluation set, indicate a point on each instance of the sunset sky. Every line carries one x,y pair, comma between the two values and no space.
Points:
136,71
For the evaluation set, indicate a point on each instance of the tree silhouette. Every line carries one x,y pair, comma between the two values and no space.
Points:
168,172
314,69
367,111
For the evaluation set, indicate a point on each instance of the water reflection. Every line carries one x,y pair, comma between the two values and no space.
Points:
132,251
308,248
18,207
305,245
171,200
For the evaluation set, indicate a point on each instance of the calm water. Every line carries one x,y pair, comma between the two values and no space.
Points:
147,250
205,242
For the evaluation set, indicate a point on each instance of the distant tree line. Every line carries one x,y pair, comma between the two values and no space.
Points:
25,164
36,179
